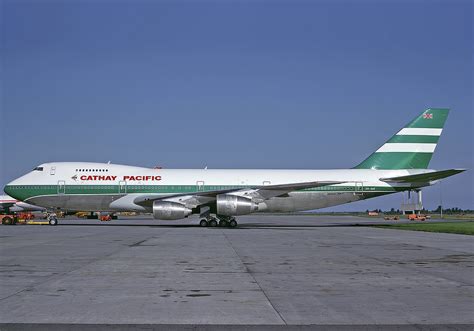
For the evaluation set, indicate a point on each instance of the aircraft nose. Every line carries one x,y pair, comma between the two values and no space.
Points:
12,190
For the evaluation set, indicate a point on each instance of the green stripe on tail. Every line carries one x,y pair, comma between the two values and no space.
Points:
411,147
414,139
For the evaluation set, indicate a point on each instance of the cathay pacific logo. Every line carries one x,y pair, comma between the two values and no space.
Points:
74,177
428,116
124,178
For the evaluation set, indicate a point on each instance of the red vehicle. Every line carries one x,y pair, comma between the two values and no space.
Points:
105,218
26,216
415,217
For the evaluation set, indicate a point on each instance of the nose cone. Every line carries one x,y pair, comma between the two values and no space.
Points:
8,189
12,190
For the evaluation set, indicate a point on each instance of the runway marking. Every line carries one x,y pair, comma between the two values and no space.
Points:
254,279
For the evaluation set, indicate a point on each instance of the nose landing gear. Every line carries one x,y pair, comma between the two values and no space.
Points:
52,219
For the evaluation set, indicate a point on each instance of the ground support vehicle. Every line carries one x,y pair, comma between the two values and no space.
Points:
8,219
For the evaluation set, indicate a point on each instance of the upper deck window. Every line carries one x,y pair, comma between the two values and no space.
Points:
38,169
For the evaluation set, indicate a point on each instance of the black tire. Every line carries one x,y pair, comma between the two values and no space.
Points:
7,221
223,223
203,223
53,221
233,223
212,223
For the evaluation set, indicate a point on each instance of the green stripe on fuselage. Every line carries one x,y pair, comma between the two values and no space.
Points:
26,192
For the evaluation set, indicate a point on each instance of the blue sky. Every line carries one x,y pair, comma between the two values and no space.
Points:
234,84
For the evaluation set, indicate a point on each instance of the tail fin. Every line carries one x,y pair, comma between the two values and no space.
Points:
413,146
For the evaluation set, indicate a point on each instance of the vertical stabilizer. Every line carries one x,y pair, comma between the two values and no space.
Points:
413,146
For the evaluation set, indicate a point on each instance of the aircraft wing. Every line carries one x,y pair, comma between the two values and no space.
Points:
257,193
424,177
265,192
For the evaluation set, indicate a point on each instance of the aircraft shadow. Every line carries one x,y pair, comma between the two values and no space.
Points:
246,226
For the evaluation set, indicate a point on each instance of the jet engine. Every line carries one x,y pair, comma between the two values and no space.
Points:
233,205
167,210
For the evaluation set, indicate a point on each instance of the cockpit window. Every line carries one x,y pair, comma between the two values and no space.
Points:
38,169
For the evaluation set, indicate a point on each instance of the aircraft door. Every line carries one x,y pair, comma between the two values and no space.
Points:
61,187
122,187
358,188
200,185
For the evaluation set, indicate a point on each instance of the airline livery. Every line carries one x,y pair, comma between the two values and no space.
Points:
218,195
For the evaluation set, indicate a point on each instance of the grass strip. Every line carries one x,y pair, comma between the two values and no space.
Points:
442,227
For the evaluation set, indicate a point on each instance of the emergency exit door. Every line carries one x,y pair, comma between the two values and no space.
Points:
200,185
122,187
61,187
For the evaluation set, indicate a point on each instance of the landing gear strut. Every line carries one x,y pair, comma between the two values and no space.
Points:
221,221
52,219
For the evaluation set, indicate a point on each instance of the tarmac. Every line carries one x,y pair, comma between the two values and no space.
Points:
270,271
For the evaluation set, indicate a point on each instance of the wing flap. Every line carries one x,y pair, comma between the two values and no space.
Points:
424,177
270,191
261,192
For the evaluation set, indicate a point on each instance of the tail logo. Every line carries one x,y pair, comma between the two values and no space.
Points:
411,147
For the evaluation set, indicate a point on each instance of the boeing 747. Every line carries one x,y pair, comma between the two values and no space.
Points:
219,195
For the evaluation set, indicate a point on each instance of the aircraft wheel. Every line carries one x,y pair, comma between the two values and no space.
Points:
53,221
213,223
203,223
7,221
223,223
233,223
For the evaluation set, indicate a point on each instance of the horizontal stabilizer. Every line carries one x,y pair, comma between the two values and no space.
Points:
424,177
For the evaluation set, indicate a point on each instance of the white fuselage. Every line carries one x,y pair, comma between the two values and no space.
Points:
110,187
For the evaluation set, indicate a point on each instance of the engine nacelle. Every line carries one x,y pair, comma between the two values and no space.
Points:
233,205
167,210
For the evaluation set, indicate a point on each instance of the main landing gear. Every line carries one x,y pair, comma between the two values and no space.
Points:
52,219
221,221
